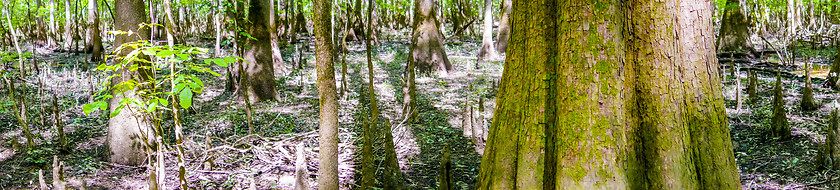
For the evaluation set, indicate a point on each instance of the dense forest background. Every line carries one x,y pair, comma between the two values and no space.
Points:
420,94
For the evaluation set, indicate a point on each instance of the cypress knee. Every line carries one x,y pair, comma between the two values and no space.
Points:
780,127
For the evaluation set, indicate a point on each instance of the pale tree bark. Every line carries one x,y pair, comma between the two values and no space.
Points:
51,43
94,44
40,25
602,108
487,52
426,48
328,127
125,130
68,24
259,69
217,21
169,21
504,27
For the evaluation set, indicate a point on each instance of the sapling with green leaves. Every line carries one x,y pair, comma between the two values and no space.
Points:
172,65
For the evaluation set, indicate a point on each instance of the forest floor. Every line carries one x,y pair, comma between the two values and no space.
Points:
769,163
264,160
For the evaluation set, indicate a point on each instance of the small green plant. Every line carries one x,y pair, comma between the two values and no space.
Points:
168,75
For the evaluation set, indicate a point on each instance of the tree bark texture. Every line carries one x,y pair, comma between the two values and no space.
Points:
487,51
94,44
426,50
504,27
328,128
124,129
260,61
734,31
610,94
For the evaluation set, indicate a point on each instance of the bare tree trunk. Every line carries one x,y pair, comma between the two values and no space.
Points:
487,52
94,45
217,20
426,40
504,27
169,21
328,141
68,24
124,128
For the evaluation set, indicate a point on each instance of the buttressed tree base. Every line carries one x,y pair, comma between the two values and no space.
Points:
622,95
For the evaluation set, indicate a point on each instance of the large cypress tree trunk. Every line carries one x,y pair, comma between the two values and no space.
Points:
602,108
328,141
94,44
124,129
260,61
426,41
734,34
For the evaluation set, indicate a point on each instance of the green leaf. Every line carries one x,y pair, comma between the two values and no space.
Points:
88,108
229,59
165,53
220,62
183,56
186,98
152,107
164,102
117,111
104,105
148,52
200,84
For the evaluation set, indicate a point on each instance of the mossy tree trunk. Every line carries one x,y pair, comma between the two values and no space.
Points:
602,108
829,157
779,123
834,73
426,48
752,84
807,103
734,31
328,128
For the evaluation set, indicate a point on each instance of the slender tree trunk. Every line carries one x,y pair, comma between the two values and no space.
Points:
293,21
487,52
51,43
602,109
217,20
68,24
169,21
328,141
504,27
94,44
393,178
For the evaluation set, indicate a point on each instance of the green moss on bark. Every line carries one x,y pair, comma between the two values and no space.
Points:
779,123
